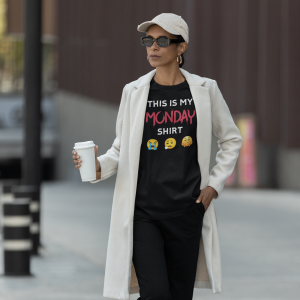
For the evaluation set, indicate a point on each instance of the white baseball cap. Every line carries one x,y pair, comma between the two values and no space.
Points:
172,23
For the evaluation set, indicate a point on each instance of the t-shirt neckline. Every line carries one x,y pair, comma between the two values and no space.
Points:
153,83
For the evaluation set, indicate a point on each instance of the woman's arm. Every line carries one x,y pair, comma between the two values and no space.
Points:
110,160
229,143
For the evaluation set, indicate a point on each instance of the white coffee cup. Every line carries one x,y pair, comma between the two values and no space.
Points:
87,156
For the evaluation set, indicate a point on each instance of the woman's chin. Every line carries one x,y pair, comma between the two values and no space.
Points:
155,63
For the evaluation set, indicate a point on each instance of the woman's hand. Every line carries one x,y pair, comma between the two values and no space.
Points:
77,160
206,196
98,167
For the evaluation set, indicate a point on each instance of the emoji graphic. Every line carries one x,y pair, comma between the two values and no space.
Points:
170,143
152,144
187,141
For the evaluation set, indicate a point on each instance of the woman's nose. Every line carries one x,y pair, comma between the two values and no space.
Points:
154,45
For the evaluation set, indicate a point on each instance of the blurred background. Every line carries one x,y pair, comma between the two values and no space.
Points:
251,48
90,50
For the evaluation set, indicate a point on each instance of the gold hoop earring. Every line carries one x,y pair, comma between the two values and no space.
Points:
147,57
180,59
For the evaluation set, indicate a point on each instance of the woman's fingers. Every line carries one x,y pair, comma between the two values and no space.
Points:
96,149
77,163
76,159
205,197
200,198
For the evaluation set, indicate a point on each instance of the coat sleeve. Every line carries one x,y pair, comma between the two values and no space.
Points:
229,140
110,160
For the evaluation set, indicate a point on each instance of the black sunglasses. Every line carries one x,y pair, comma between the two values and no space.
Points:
162,41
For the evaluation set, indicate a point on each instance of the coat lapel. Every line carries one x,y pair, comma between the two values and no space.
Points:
201,99
138,104
204,128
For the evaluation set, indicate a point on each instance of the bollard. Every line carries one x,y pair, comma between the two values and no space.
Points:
32,192
16,237
7,184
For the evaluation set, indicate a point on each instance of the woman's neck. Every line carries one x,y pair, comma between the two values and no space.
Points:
168,76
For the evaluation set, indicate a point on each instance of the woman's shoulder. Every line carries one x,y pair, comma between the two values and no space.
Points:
131,85
141,81
199,79
193,79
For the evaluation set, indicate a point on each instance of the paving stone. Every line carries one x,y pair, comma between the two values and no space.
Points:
258,230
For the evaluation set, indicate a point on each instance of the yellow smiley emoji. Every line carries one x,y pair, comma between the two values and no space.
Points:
152,144
170,143
187,141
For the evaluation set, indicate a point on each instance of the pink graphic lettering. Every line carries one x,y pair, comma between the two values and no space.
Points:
150,116
184,116
178,120
191,116
163,119
168,116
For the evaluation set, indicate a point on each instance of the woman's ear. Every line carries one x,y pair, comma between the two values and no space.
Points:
185,46
182,48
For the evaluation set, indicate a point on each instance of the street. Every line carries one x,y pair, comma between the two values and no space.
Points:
258,230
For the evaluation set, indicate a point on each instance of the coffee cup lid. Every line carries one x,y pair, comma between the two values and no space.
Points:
82,145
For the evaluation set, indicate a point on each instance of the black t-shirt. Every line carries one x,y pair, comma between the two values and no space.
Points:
169,173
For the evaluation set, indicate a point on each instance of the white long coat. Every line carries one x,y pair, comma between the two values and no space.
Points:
122,158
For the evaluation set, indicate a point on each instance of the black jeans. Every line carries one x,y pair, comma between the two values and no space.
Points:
165,255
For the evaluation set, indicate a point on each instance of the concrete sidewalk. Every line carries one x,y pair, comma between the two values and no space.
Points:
259,236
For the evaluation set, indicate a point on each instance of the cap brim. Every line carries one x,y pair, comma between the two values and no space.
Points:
144,26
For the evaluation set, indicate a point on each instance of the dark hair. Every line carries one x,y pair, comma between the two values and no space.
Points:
181,38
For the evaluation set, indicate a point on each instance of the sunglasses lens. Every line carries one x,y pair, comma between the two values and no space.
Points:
163,42
147,42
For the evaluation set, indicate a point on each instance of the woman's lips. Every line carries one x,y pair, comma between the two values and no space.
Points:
154,57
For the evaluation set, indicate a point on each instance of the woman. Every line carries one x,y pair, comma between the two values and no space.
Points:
163,237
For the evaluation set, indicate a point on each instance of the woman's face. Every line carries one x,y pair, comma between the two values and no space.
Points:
166,55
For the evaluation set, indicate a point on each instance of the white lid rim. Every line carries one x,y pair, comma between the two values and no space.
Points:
82,145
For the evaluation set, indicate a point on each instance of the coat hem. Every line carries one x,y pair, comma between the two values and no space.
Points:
114,295
203,284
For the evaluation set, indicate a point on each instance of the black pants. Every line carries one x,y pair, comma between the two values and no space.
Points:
165,255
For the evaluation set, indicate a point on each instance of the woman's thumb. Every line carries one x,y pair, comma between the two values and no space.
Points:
96,149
